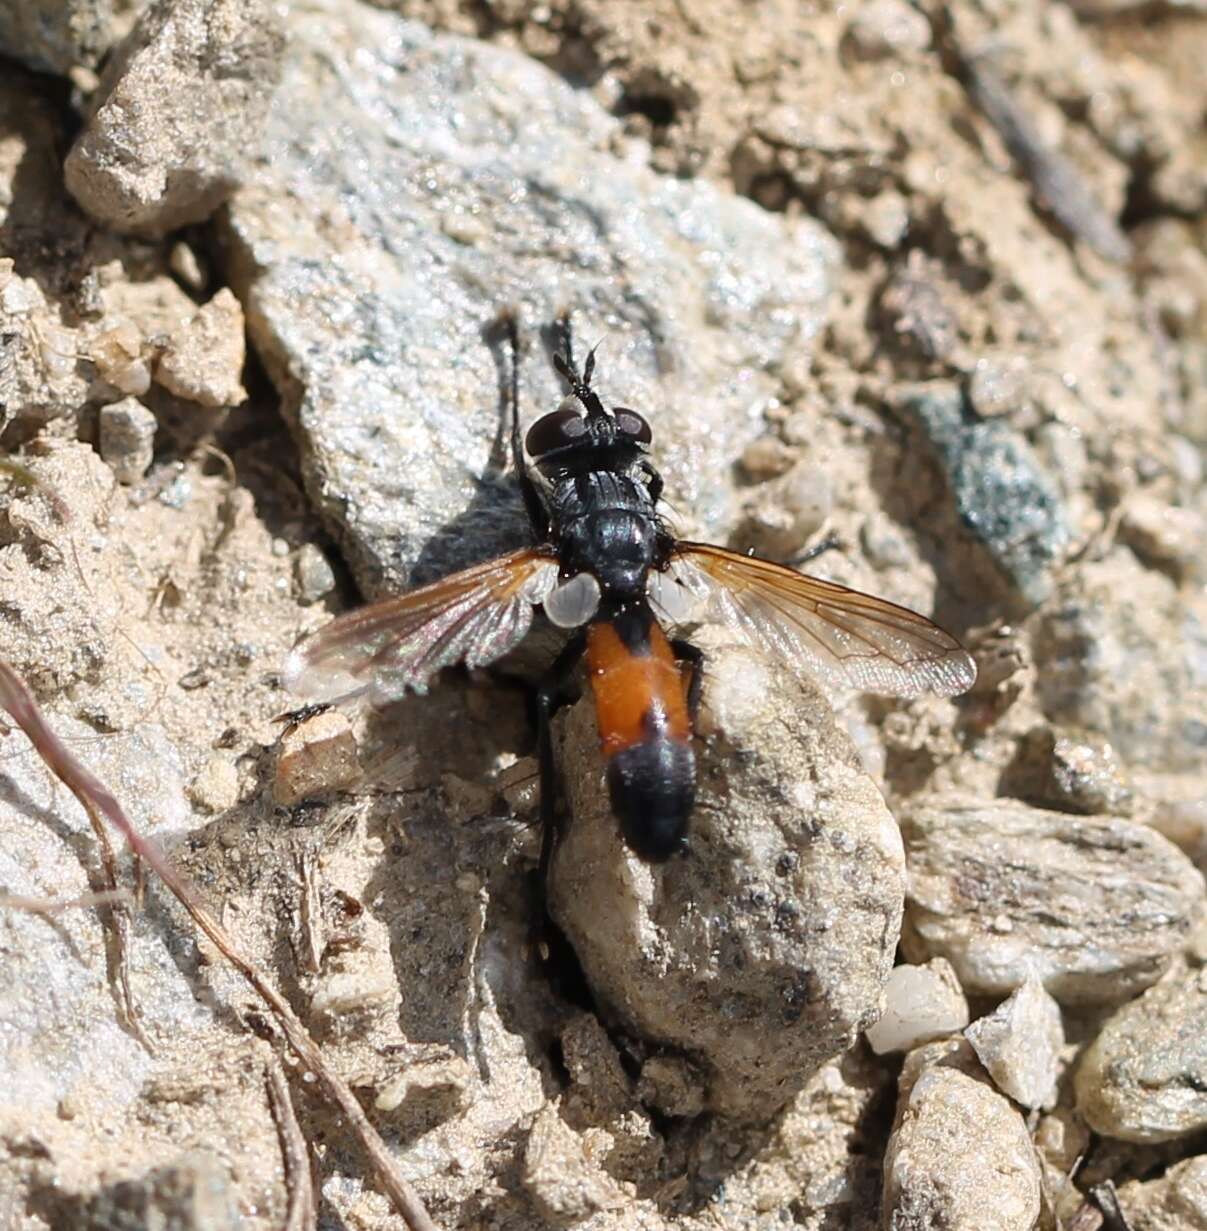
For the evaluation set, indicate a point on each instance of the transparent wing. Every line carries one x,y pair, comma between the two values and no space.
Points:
388,648
843,637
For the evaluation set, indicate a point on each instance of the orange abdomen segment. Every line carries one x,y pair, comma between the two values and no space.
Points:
639,693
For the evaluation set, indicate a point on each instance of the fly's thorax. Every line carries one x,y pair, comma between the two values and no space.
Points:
604,523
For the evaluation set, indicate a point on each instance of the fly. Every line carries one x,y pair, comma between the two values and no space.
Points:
606,568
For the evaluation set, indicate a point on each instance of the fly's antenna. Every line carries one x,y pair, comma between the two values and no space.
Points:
563,361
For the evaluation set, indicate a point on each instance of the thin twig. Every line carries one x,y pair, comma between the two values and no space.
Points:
54,906
301,1210
98,800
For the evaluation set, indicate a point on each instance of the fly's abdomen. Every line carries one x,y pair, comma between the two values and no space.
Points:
645,734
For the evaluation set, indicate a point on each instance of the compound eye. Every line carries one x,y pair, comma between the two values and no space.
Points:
554,431
630,423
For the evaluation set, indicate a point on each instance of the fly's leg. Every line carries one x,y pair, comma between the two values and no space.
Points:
555,691
693,658
829,543
537,517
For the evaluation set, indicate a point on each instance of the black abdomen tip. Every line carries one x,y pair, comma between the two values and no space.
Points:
653,788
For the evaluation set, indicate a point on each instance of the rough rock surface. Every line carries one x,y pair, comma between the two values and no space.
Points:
371,295
1176,1201
921,1004
53,36
1095,907
202,360
1019,1044
763,951
1144,1077
1002,495
960,1156
1144,688
178,112
157,612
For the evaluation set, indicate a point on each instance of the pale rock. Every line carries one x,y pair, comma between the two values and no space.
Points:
563,1182
921,1003
372,307
1175,1201
1095,907
1144,1078
959,1156
317,755
203,360
178,113
762,952
1019,1044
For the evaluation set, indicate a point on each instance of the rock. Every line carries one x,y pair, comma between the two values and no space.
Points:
1069,771
565,1185
1095,907
59,1025
1166,536
672,1085
437,1088
127,438
921,1003
216,787
887,28
761,952
192,1194
314,574
1176,1201
120,354
1122,650
316,755
203,360
1002,495
959,1156
1019,1044
368,295
914,312
1144,1078
53,36
179,110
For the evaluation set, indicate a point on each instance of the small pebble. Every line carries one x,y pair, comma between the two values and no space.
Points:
314,574
203,360
316,756
216,787
117,354
959,1156
127,438
887,28
998,384
1144,1078
921,1003
1019,1044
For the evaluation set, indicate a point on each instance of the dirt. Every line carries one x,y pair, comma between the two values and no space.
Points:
152,617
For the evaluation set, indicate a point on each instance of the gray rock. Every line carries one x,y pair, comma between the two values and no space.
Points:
921,1003
959,1156
178,112
1002,494
411,185
1019,1044
59,1024
1176,1201
1124,654
1095,907
762,952
1144,1078
127,438
53,36
191,1194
